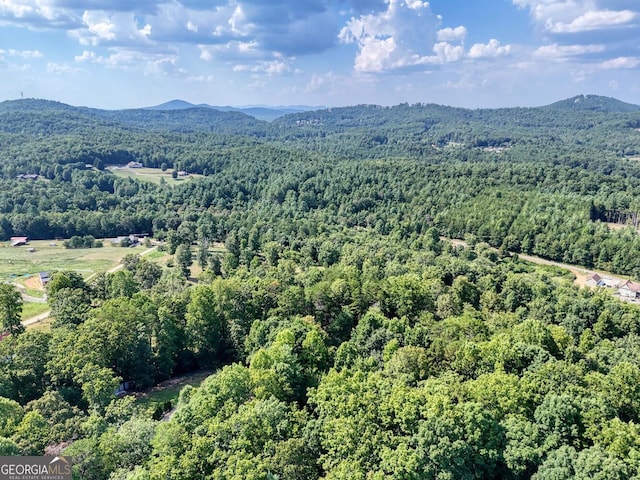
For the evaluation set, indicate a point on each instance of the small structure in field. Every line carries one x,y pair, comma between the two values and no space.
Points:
134,165
131,240
44,278
19,241
595,280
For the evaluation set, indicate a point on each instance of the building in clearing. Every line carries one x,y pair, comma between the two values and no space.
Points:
595,280
629,289
19,241
44,278
134,165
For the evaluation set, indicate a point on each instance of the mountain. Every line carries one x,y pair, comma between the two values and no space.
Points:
43,117
594,103
259,112
173,105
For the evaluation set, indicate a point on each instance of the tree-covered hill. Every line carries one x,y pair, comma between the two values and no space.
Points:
594,103
31,116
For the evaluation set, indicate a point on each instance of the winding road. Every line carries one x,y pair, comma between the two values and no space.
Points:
581,273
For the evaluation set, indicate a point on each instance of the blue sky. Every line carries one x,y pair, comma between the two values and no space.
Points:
491,53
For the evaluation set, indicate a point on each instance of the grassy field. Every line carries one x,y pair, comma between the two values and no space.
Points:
169,391
30,310
153,175
43,326
17,264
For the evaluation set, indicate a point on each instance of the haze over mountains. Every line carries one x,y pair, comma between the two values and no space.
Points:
261,112
592,103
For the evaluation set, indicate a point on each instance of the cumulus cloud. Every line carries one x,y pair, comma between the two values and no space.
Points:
402,36
576,16
591,35
490,50
36,13
593,20
111,28
452,34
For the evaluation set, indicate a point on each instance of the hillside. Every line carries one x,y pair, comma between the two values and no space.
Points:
594,103
31,116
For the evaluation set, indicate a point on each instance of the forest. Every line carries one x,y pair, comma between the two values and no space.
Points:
345,336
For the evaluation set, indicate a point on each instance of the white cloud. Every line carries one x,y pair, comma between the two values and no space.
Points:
452,34
87,56
62,68
489,50
561,52
276,67
575,16
149,63
40,14
320,81
22,53
205,53
402,36
620,62
120,28
446,53
592,20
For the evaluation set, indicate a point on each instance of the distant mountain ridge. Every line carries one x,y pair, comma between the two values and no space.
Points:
259,112
595,103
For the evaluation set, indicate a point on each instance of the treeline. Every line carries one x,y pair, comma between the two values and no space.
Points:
284,194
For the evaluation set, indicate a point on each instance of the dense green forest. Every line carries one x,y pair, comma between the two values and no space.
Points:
346,340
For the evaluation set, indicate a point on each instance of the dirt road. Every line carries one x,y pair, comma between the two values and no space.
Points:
580,273
47,314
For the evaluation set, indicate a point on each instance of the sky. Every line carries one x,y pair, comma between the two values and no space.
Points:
115,54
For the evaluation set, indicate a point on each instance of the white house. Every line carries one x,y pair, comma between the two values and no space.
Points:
629,289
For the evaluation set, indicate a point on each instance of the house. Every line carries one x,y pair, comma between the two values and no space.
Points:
629,289
44,278
132,240
27,176
19,241
595,280
134,165
182,173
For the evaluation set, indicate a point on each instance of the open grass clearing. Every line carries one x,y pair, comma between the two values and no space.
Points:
169,390
153,175
17,264
30,310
